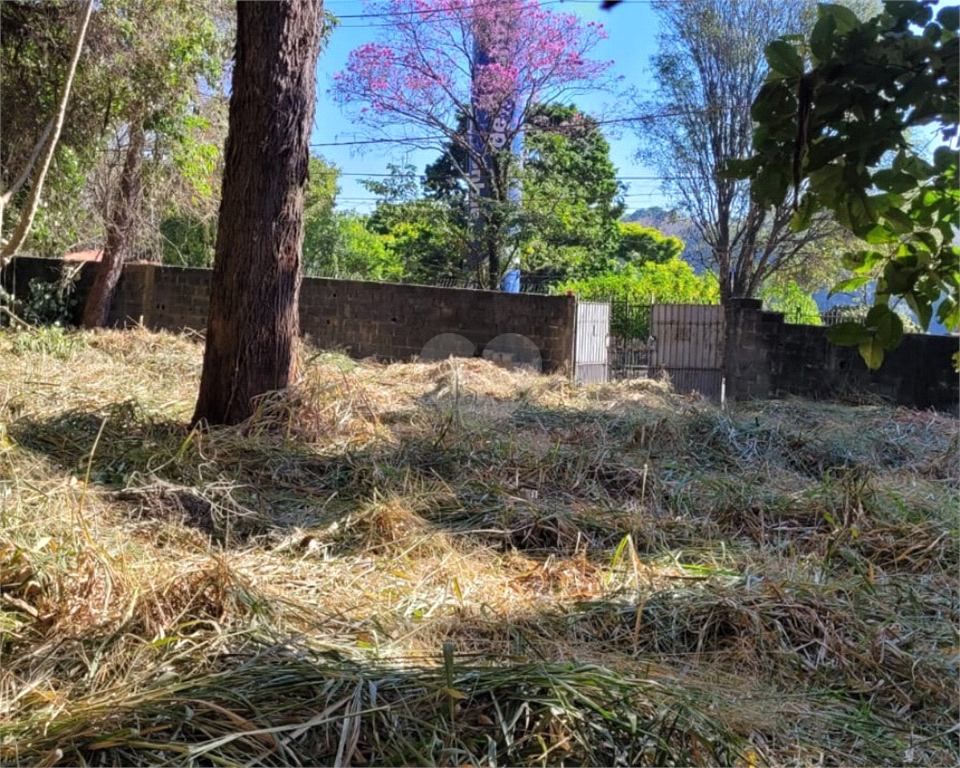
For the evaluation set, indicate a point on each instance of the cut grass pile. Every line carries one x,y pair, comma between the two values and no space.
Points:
451,564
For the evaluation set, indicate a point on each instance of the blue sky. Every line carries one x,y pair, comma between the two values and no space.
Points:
631,27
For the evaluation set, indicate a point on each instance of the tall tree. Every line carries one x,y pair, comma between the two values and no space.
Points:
572,201
119,231
567,222
425,228
425,77
147,64
167,64
708,69
253,324
832,123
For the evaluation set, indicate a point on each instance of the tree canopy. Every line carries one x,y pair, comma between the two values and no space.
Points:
832,135
426,82
708,68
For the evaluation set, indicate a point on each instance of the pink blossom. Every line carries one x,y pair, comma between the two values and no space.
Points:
423,72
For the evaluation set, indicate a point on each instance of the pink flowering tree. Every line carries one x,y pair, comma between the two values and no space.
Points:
441,65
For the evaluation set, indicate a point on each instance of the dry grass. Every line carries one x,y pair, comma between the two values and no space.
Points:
450,564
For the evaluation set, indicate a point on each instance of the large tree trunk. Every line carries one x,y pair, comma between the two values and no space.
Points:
120,227
33,201
253,325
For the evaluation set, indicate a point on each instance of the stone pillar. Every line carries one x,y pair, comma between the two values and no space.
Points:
746,363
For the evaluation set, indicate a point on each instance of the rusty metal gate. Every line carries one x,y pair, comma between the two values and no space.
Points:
681,342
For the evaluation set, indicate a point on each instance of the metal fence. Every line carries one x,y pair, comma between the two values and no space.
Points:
630,342
680,342
837,315
528,283
591,343
832,316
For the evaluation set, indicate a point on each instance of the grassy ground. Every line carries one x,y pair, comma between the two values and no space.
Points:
449,564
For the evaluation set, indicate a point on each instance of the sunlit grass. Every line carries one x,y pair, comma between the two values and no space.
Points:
451,564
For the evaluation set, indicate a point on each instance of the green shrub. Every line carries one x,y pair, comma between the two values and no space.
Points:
631,292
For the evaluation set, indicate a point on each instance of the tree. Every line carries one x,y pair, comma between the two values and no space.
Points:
351,251
147,85
424,225
253,323
425,76
831,136
708,70
572,201
154,105
44,150
670,282
566,225
789,299
639,244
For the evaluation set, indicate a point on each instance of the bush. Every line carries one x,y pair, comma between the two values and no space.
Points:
797,307
636,288
54,303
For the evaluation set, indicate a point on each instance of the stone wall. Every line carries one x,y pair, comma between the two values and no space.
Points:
389,321
767,357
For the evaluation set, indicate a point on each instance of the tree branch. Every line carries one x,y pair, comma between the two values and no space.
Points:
33,202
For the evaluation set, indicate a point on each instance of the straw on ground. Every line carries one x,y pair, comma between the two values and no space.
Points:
625,576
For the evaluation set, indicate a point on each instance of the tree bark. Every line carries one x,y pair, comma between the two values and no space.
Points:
120,229
253,324
33,201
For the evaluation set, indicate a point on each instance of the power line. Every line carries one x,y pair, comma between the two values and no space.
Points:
433,11
445,14
590,122
415,174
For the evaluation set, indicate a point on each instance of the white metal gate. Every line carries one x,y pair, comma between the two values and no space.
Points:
592,332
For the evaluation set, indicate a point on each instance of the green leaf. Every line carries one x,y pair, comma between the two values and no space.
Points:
741,169
910,10
849,285
801,218
894,181
848,334
918,167
827,178
901,222
775,101
784,59
853,260
861,212
821,38
921,307
928,239
900,275
880,235
769,187
843,18
944,158
948,313
949,18
890,330
887,323
871,351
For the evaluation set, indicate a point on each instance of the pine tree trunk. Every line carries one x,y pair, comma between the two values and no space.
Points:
120,229
253,324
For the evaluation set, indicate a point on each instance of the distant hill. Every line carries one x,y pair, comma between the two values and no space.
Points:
696,252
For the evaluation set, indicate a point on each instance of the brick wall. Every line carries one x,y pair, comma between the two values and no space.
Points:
769,358
391,322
